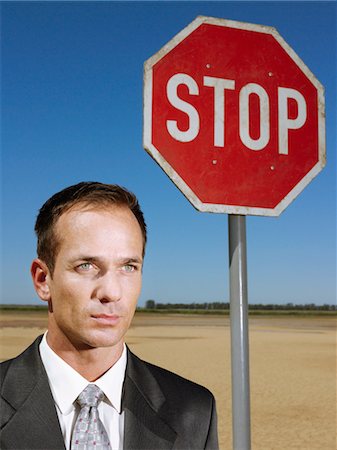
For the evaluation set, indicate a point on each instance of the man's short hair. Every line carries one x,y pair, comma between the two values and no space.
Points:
85,194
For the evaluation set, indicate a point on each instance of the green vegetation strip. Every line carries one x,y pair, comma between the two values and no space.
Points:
23,308
253,312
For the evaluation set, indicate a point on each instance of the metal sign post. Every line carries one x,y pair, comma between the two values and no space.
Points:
239,331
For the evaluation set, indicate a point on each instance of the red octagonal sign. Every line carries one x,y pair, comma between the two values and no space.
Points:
234,117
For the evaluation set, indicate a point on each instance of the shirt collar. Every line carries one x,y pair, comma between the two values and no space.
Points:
66,384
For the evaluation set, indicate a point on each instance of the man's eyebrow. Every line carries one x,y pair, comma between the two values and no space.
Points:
134,259
87,258
124,260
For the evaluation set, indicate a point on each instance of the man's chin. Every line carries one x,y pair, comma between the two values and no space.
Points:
105,340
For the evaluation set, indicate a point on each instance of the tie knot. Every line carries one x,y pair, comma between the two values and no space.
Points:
90,396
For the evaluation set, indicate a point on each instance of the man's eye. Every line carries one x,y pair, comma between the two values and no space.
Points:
129,268
85,266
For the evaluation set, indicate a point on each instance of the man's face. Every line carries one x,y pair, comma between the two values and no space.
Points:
97,277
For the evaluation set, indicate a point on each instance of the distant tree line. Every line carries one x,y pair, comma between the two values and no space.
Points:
152,304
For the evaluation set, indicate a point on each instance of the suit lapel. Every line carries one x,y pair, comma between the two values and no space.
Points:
33,421
142,399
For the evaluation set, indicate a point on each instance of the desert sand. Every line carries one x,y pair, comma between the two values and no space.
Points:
292,369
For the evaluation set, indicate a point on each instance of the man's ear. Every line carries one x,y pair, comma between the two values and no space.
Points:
40,274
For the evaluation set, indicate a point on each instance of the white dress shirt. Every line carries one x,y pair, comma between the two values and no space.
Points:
66,384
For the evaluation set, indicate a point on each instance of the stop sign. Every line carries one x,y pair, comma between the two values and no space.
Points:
234,117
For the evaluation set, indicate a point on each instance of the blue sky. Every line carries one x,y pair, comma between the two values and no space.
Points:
72,75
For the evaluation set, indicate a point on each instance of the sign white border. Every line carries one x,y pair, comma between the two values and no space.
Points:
178,181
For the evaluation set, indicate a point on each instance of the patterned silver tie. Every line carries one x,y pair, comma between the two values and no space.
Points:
89,432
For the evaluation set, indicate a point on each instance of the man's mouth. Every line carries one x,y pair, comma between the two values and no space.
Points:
106,319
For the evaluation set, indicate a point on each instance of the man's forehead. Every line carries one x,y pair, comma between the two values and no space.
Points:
102,206
80,209
95,218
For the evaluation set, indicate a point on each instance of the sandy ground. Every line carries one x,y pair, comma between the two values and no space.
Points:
292,367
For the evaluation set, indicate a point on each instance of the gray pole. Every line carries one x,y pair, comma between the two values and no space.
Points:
239,331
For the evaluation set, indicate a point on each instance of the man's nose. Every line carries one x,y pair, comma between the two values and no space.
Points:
109,288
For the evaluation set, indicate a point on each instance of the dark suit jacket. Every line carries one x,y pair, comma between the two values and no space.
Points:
162,410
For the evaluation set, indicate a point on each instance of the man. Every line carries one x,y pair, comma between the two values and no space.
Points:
79,387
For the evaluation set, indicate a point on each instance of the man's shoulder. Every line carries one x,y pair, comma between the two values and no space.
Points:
186,406
176,380
25,360
18,377
174,386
